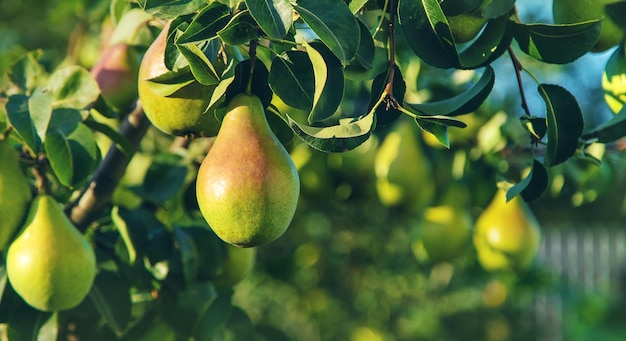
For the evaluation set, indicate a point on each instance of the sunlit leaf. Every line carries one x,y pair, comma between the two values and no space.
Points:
347,135
168,9
73,87
205,24
274,16
201,67
532,186
241,29
19,116
328,82
292,79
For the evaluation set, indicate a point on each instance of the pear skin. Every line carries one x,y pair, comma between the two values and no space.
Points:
182,113
506,235
247,186
116,74
15,193
50,264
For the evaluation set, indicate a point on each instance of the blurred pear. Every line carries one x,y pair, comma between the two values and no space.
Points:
403,173
506,235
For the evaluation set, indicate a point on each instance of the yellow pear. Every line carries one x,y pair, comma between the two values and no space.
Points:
50,264
15,193
573,11
445,229
116,74
506,235
403,174
183,112
247,185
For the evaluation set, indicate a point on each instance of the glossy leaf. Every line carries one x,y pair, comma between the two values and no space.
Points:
26,71
532,186
168,9
328,82
19,116
611,130
365,53
206,24
463,103
72,87
427,31
565,123
40,110
347,135
490,44
614,79
334,24
120,141
495,9
170,82
201,67
111,297
241,29
292,79
440,131
558,44
273,16
163,180
536,126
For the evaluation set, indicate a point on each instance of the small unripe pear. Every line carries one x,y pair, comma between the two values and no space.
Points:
247,185
50,264
15,193
116,74
183,112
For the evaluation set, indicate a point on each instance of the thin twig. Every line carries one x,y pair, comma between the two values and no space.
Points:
518,73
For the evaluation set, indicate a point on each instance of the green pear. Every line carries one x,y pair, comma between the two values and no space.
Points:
247,185
237,265
15,193
183,112
403,174
116,73
50,264
506,235
573,11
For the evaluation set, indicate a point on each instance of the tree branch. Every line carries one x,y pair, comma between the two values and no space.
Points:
105,179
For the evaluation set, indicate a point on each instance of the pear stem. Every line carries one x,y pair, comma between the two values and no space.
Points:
252,53
40,174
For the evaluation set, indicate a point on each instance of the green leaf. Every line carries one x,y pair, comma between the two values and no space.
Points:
536,126
292,79
440,131
213,319
463,103
111,297
611,130
170,82
614,79
565,123
260,86
188,254
164,179
532,186
490,44
334,24
193,306
495,9
40,110
241,29
274,16
71,150
27,71
558,44
328,82
201,67
365,53
615,11
23,322
205,24
124,230
120,141
428,33
168,9
452,8
347,135
19,117
73,87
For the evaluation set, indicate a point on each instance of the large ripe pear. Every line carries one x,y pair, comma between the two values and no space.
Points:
50,264
15,193
506,235
573,11
247,185
183,112
116,73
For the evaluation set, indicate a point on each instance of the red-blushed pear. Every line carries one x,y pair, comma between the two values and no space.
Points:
247,185
15,193
116,73
51,265
181,113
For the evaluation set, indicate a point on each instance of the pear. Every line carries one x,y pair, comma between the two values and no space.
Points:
247,185
237,265
506,235
465,26
403,174
183,112
116,73
15,193
573,11
50,264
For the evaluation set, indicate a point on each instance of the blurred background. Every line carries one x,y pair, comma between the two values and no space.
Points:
354,266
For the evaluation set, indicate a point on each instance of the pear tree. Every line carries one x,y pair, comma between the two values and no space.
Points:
161,162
